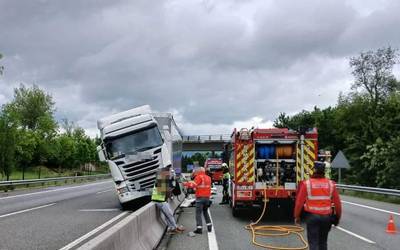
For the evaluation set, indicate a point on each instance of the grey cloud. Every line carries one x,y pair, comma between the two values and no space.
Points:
215,62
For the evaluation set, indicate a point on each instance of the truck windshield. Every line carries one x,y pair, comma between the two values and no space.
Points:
140,140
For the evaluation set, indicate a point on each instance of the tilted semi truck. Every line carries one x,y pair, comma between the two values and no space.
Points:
269,163
136,143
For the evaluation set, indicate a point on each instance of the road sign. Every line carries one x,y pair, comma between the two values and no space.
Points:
340,162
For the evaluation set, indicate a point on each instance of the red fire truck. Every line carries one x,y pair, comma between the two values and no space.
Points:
269,160
213,166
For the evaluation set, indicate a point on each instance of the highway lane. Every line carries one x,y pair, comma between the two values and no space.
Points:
53,217
360,228
371,223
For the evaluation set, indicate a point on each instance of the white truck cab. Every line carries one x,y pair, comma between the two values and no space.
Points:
136,144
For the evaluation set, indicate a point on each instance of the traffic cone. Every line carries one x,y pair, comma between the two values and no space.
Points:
391,227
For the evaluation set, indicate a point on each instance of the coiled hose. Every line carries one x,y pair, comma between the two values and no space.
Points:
275,231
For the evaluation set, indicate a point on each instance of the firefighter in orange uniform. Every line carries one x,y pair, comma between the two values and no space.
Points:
316,196
203,193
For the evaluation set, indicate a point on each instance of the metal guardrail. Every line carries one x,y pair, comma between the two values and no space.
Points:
374,190
46,180
203,138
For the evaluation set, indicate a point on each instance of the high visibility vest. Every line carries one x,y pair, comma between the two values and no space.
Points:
319,196
158,196
227,176
204,188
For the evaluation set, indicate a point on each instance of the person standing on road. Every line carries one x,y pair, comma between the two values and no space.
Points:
317,195
161,192
225,184
328,169
203,193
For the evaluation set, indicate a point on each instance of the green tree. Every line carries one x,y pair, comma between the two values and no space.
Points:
299,122
32,109
373,73
283,121
8,131
365,124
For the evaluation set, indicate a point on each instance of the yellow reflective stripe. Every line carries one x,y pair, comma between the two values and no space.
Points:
250,166
309,152
310,143
298,163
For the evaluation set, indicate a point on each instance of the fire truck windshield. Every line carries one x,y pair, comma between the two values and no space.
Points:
214,167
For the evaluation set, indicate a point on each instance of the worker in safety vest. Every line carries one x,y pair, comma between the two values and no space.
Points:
161,192
316,196
203,193
225,184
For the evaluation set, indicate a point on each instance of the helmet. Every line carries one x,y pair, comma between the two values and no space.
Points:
319,167
224,165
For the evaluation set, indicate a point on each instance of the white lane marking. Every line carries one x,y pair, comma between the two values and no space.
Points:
93,232
212,239
26,210
54,190
372,208
356,235
108,190
100,210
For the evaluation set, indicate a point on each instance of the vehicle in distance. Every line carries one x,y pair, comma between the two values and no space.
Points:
214,168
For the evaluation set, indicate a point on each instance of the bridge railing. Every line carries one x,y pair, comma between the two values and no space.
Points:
373,190
11,184
206,138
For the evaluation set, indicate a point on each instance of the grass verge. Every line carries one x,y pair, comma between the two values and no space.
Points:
372,196
41,172
33,173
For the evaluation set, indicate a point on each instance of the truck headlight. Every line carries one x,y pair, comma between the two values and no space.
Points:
122,190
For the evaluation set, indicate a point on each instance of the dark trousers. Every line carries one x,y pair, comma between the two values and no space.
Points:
202,208
318,227
225,194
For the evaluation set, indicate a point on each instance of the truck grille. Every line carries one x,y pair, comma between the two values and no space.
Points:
141,175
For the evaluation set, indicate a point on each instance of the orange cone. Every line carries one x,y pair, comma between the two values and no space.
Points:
391,227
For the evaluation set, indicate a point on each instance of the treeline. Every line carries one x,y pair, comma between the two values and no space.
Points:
365,124
199,157
30,136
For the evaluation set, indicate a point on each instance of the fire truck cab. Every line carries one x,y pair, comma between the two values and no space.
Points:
269,163
214,168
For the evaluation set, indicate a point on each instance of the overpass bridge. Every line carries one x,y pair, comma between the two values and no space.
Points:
205,142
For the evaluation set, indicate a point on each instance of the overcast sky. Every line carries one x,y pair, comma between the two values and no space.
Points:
214,64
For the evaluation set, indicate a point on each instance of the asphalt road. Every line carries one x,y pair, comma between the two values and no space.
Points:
362,227
53,217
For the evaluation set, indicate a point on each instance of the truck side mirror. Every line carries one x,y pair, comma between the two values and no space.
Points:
100,152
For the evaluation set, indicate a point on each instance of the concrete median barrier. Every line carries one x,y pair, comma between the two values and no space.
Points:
141,230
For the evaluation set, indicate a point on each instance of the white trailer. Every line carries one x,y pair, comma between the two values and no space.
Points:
136,143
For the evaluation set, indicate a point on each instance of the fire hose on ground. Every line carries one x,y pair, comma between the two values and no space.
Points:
275,231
